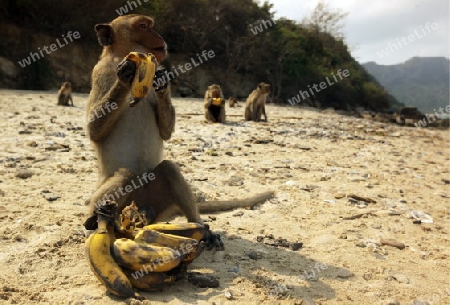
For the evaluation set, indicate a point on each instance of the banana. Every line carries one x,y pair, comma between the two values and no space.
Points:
97,249
149,281
190,229
145,73
184,245
141,257
216,101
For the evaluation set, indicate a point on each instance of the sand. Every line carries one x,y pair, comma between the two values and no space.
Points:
343,185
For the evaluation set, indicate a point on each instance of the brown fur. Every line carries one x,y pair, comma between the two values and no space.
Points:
129,140
213,113
232,102
255,105
65,95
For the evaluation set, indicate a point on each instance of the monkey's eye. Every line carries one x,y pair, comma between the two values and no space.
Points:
143,25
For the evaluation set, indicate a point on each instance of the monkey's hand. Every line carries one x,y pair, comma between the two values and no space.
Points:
126,71
161,80
213,240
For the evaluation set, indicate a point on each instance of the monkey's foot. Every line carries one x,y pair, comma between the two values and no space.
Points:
108,209
213,240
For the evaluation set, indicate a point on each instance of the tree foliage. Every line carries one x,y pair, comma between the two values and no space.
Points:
290,56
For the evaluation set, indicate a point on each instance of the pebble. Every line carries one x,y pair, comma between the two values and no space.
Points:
228,295
344,273
203,280
392,243
339,195
23,173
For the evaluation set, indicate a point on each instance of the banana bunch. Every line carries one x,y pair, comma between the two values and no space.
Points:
97,249
145,73
152,257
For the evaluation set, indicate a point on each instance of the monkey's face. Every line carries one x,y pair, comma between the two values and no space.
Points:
265,88
215,91
131,33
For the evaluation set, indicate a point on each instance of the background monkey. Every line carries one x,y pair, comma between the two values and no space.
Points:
255,105
232,102
129,140
65,95
214,104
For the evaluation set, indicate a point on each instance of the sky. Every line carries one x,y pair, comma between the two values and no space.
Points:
385,31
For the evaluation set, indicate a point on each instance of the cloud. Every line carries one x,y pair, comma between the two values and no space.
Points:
372,25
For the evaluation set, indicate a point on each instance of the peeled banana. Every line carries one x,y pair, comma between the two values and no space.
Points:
184,245
97,248
137,256
190,229
145,73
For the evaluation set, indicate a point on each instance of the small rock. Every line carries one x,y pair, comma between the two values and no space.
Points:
254,255
238,214
361,244
203,280
235,181
401,278
23,173
392,243
361,198
339,195
391,302
228,295
295,246
234,269
344,274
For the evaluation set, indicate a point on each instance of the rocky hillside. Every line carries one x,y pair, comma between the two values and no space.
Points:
422,82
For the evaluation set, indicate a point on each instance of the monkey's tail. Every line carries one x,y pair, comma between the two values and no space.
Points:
226,205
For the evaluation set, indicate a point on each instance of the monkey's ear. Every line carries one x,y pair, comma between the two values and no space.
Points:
104,34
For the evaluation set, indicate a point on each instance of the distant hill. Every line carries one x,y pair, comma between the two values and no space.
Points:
421,81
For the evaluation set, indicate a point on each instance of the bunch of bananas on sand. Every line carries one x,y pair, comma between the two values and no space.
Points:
150,258
146,65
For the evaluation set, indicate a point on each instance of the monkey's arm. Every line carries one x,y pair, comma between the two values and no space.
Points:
165,113
104,113
106,104
264,112
70,99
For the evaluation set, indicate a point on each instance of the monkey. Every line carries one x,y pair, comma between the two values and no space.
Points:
255,105
128,141
65,95
232,102
214,104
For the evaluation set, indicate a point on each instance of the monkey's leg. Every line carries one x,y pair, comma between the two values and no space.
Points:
257,114
209,117
248,113
264,112
114,189
61,100
167,194
221,118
